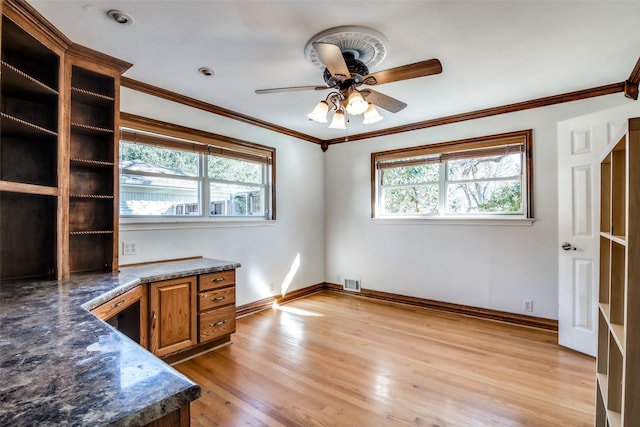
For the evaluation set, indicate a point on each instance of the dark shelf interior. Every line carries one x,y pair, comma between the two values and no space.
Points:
27,54
88,180
27,235
90,252
90,81
37,160
90,214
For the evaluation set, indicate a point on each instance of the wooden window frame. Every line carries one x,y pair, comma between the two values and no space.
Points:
143,130
439,152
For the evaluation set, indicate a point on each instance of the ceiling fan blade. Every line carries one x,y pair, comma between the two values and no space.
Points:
404,72
383,101
331,56
291,89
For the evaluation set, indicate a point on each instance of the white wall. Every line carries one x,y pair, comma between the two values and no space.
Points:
487,266
323,214
266,251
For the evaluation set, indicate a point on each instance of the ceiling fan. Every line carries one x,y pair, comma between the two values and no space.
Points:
344,73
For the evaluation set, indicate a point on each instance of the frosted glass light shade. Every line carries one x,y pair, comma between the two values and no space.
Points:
338,121
319,113
356,104
371,115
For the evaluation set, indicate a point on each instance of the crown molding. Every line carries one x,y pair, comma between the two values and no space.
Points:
487,112
205,106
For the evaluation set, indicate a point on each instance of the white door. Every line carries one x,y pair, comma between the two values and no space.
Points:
581,143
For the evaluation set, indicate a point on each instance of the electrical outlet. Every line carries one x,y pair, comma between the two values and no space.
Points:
273,289
129,248
527,305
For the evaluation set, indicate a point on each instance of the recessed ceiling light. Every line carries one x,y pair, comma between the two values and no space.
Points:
120,17
206,71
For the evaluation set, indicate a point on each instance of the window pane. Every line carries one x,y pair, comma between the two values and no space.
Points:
227,169
484,197
149,158
145,195
236,200
410,200
417,174
484,167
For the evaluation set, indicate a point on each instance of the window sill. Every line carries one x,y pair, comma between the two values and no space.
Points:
135,224
492,221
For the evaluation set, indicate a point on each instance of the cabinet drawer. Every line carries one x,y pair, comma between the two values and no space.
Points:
219,279
216,323
116,305
216,298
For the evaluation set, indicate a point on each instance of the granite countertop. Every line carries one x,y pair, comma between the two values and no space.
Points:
61,365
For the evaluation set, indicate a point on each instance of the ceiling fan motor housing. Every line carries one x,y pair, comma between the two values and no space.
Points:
357,68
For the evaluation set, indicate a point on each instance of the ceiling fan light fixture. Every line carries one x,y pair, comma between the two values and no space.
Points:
356,104
371,115
338,121
319,113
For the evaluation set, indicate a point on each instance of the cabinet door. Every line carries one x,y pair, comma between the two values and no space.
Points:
173,315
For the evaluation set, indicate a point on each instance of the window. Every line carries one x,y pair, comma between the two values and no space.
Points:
480,177
194,175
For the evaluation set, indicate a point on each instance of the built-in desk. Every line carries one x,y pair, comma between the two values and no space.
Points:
61,365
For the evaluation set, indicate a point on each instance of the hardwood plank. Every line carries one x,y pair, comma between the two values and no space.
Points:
333,359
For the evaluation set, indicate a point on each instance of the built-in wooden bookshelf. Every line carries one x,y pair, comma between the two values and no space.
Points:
92,164
29,147
618,361
58,150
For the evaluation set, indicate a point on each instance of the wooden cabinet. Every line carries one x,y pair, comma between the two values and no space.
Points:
618,361
190,315
93,161
172,309
216,305
30,144
128,314
59,112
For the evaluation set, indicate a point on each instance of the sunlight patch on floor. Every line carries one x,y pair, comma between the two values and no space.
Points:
294,310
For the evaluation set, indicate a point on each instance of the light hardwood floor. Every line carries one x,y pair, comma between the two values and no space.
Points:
336,360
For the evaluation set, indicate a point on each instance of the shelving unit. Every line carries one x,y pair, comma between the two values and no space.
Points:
618,361
92,177
59,115
29,147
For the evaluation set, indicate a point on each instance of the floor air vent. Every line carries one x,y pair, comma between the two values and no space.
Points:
351,285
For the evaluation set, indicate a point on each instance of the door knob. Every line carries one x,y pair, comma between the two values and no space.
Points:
568,246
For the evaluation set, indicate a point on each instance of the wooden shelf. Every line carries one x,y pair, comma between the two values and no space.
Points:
90,232
15,81
80,127
29,121
618,373
615,418
20,187
15,126
91,196
95,163
621,240
88,97
93,171
617,331
603,380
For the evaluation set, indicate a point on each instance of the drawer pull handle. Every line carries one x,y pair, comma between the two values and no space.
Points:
218,299
220,323
154,316
118,304
218,279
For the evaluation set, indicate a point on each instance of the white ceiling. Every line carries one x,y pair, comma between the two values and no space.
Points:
492,52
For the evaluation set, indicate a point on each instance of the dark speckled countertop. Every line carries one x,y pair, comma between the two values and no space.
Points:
60,365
